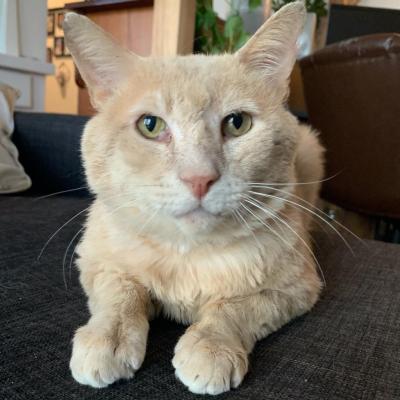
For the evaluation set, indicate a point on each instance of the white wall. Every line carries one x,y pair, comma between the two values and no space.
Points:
33,28
394,4
9,41
23,28
23,46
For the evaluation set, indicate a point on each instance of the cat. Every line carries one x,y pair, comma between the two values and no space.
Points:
193,161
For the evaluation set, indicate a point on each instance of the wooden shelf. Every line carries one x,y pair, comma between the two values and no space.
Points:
103,5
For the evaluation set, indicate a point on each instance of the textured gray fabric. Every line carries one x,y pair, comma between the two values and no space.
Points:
49,148
348,347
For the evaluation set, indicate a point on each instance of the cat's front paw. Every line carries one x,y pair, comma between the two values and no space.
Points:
101,357
208,363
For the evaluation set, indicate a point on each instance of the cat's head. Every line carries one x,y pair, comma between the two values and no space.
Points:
184,138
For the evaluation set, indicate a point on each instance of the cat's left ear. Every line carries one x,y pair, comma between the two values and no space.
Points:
272,49
102,63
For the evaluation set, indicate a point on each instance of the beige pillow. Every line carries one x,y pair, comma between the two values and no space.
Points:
12,175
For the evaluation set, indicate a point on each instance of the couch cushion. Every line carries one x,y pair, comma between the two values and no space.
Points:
49,148
348,347
12,175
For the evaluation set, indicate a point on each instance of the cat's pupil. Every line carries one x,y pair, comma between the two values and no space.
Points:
150,122
236,120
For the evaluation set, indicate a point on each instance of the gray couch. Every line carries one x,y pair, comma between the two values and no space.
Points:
348,347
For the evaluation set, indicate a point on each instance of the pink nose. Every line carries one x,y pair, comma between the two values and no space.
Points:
199,185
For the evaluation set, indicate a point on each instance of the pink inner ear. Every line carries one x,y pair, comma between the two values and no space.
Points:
98,96
102,95
273,48
275,64
274,58
100,87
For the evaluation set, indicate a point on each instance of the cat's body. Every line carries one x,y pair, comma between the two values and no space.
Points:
182,277
184,224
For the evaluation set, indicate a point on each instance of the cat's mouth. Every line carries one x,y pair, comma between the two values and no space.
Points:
196,213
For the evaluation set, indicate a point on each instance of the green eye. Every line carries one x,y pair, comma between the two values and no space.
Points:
151,126
236,124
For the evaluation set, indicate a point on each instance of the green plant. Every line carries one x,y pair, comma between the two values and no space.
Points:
212,35
313,6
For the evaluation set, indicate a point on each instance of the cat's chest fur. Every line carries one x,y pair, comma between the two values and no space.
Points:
180,283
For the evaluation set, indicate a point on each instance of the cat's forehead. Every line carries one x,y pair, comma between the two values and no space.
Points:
198,63
191,86
200,82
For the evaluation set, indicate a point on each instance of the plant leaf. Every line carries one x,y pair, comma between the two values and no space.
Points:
232,25
254,4
243,38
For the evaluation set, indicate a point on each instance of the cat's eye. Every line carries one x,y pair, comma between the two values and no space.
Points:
151,126
236,124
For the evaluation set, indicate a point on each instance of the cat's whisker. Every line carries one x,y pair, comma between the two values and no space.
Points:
296,253
81,188
148,221
66,253
261,184
128,204
72,260
269,228
73,255
322,226
235,217
265,224
247,226
66,223
304,213
251,201
295,204
59,229
234,213
61,192
277,218
319,210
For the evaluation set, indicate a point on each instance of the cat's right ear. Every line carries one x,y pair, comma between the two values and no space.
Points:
272,49
101,62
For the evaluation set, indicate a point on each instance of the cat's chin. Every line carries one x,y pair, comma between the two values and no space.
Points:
198,220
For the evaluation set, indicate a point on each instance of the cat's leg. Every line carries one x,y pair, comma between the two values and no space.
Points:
212,356
112,344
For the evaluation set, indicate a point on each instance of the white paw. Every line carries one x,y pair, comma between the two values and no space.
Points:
100,357
209,364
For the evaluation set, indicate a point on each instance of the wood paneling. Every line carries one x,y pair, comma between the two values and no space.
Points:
267,8
132,27
140,31
173,27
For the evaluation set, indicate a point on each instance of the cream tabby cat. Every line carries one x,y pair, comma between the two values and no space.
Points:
179,157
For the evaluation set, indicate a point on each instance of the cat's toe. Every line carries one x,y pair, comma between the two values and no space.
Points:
209,365
98,360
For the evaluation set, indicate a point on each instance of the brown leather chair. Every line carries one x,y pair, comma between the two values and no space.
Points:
352,92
